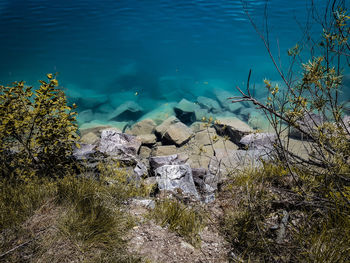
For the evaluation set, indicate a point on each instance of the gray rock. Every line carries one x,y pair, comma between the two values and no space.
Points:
259,140
308,123
119,145
177,133
234,128
158,161
172,177
346,121
84,152
140,170
207,182
185,111
129,110
209,104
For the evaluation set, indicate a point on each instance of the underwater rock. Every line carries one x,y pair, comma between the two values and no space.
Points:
308,123
246,112
85,98
120,145
85,116
129,110
234,128
222,96
161,113
177,133
173,177
258,121
117,99
175,87
105,108
185,111
97,126
201,114
259,140
146,126
209,104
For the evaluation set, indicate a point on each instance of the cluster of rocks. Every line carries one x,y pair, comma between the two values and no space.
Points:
191,160
123,109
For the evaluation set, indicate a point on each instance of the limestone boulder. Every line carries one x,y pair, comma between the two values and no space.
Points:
162,128
173,177
119,145
234,128
85,151
158,161
146,126
163,150
178,134
147,139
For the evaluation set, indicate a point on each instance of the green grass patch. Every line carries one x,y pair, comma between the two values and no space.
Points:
180,218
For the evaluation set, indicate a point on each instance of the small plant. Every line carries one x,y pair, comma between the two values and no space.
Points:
37,130
185,221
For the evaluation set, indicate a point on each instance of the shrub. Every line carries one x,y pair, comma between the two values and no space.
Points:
37,130
313,189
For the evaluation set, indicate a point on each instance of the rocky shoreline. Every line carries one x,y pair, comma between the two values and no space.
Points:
194,159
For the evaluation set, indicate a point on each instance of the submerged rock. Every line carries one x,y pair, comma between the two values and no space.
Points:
185,111
161,113
209,104
129,110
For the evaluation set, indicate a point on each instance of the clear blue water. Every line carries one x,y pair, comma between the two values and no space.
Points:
110,47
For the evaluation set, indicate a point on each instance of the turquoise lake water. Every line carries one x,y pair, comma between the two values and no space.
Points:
153,53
